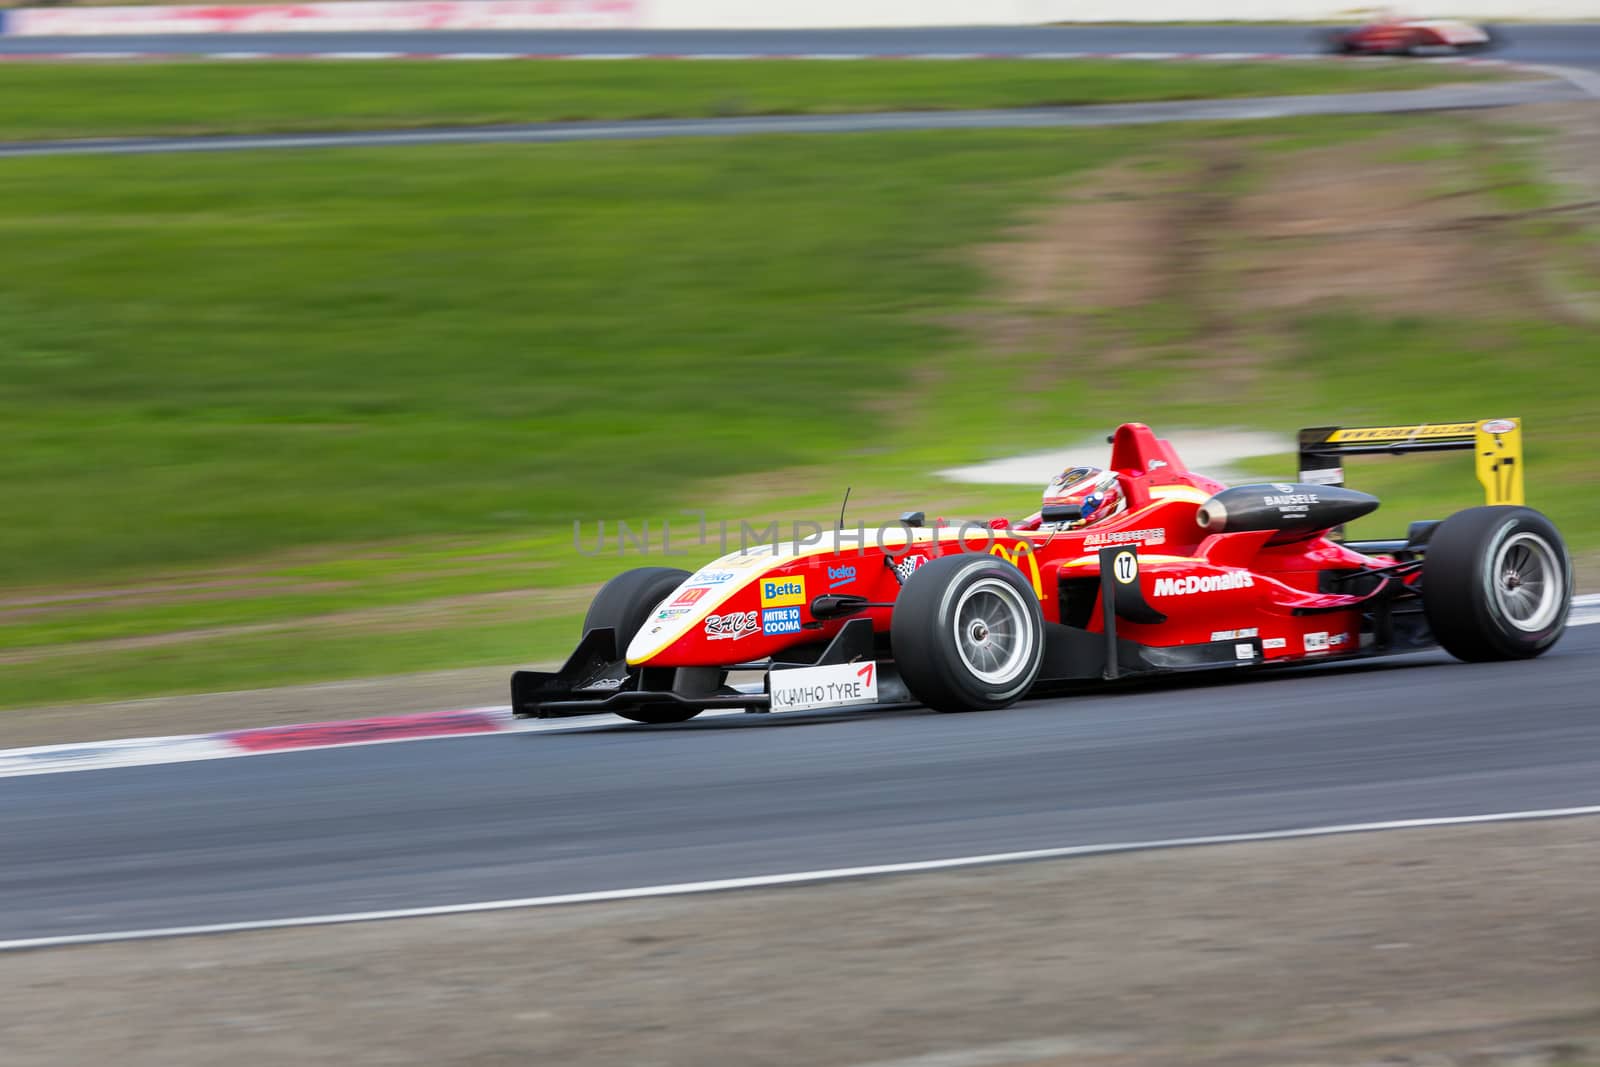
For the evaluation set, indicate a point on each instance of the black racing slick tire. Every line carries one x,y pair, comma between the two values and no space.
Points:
967,633
622,605
1496,584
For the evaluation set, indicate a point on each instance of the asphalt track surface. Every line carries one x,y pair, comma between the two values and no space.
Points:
518,815
1571,45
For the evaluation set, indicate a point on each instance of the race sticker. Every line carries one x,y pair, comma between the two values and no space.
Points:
780,592
905,568
780,621
838,685
1317,642
1204,583
1402,433
1126,537
1325,476
1125,568
732,626
840,576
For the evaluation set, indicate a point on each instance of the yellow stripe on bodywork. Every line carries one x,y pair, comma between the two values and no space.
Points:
1165,493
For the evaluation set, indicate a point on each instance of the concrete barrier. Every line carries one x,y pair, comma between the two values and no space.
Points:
354,16
378,15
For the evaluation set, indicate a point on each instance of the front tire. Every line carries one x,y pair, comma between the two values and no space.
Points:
622,605
1496,584
626,601
967,633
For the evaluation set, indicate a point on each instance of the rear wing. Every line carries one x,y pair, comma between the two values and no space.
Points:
1496,446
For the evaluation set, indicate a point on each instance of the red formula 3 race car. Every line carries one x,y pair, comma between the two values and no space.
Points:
1145,568
1412,37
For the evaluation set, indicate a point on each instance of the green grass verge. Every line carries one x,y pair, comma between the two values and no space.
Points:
56,101
367,392
211,358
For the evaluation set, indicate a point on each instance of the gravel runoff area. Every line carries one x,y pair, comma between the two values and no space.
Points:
1462,946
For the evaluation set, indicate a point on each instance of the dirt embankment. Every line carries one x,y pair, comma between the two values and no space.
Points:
1229,241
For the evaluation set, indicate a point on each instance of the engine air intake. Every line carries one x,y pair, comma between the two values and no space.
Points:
1292,509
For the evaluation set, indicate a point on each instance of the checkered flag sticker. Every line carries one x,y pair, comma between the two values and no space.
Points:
905,567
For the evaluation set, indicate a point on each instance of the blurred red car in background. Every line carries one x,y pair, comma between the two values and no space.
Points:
1412,37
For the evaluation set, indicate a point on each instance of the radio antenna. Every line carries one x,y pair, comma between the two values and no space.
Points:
843,504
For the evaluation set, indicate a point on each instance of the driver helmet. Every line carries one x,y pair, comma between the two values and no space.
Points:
1093,490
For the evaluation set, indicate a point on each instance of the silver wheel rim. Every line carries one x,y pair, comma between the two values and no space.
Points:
993,632
1528,582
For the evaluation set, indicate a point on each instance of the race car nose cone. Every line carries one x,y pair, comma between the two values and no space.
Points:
1213,516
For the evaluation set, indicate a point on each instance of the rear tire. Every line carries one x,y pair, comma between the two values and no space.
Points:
1496,584
967,633
622,605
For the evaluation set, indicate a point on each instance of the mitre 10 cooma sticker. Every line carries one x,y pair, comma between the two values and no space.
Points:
780,621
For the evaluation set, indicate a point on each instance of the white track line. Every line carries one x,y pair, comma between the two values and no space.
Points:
1004,1054
795,878
1587,80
